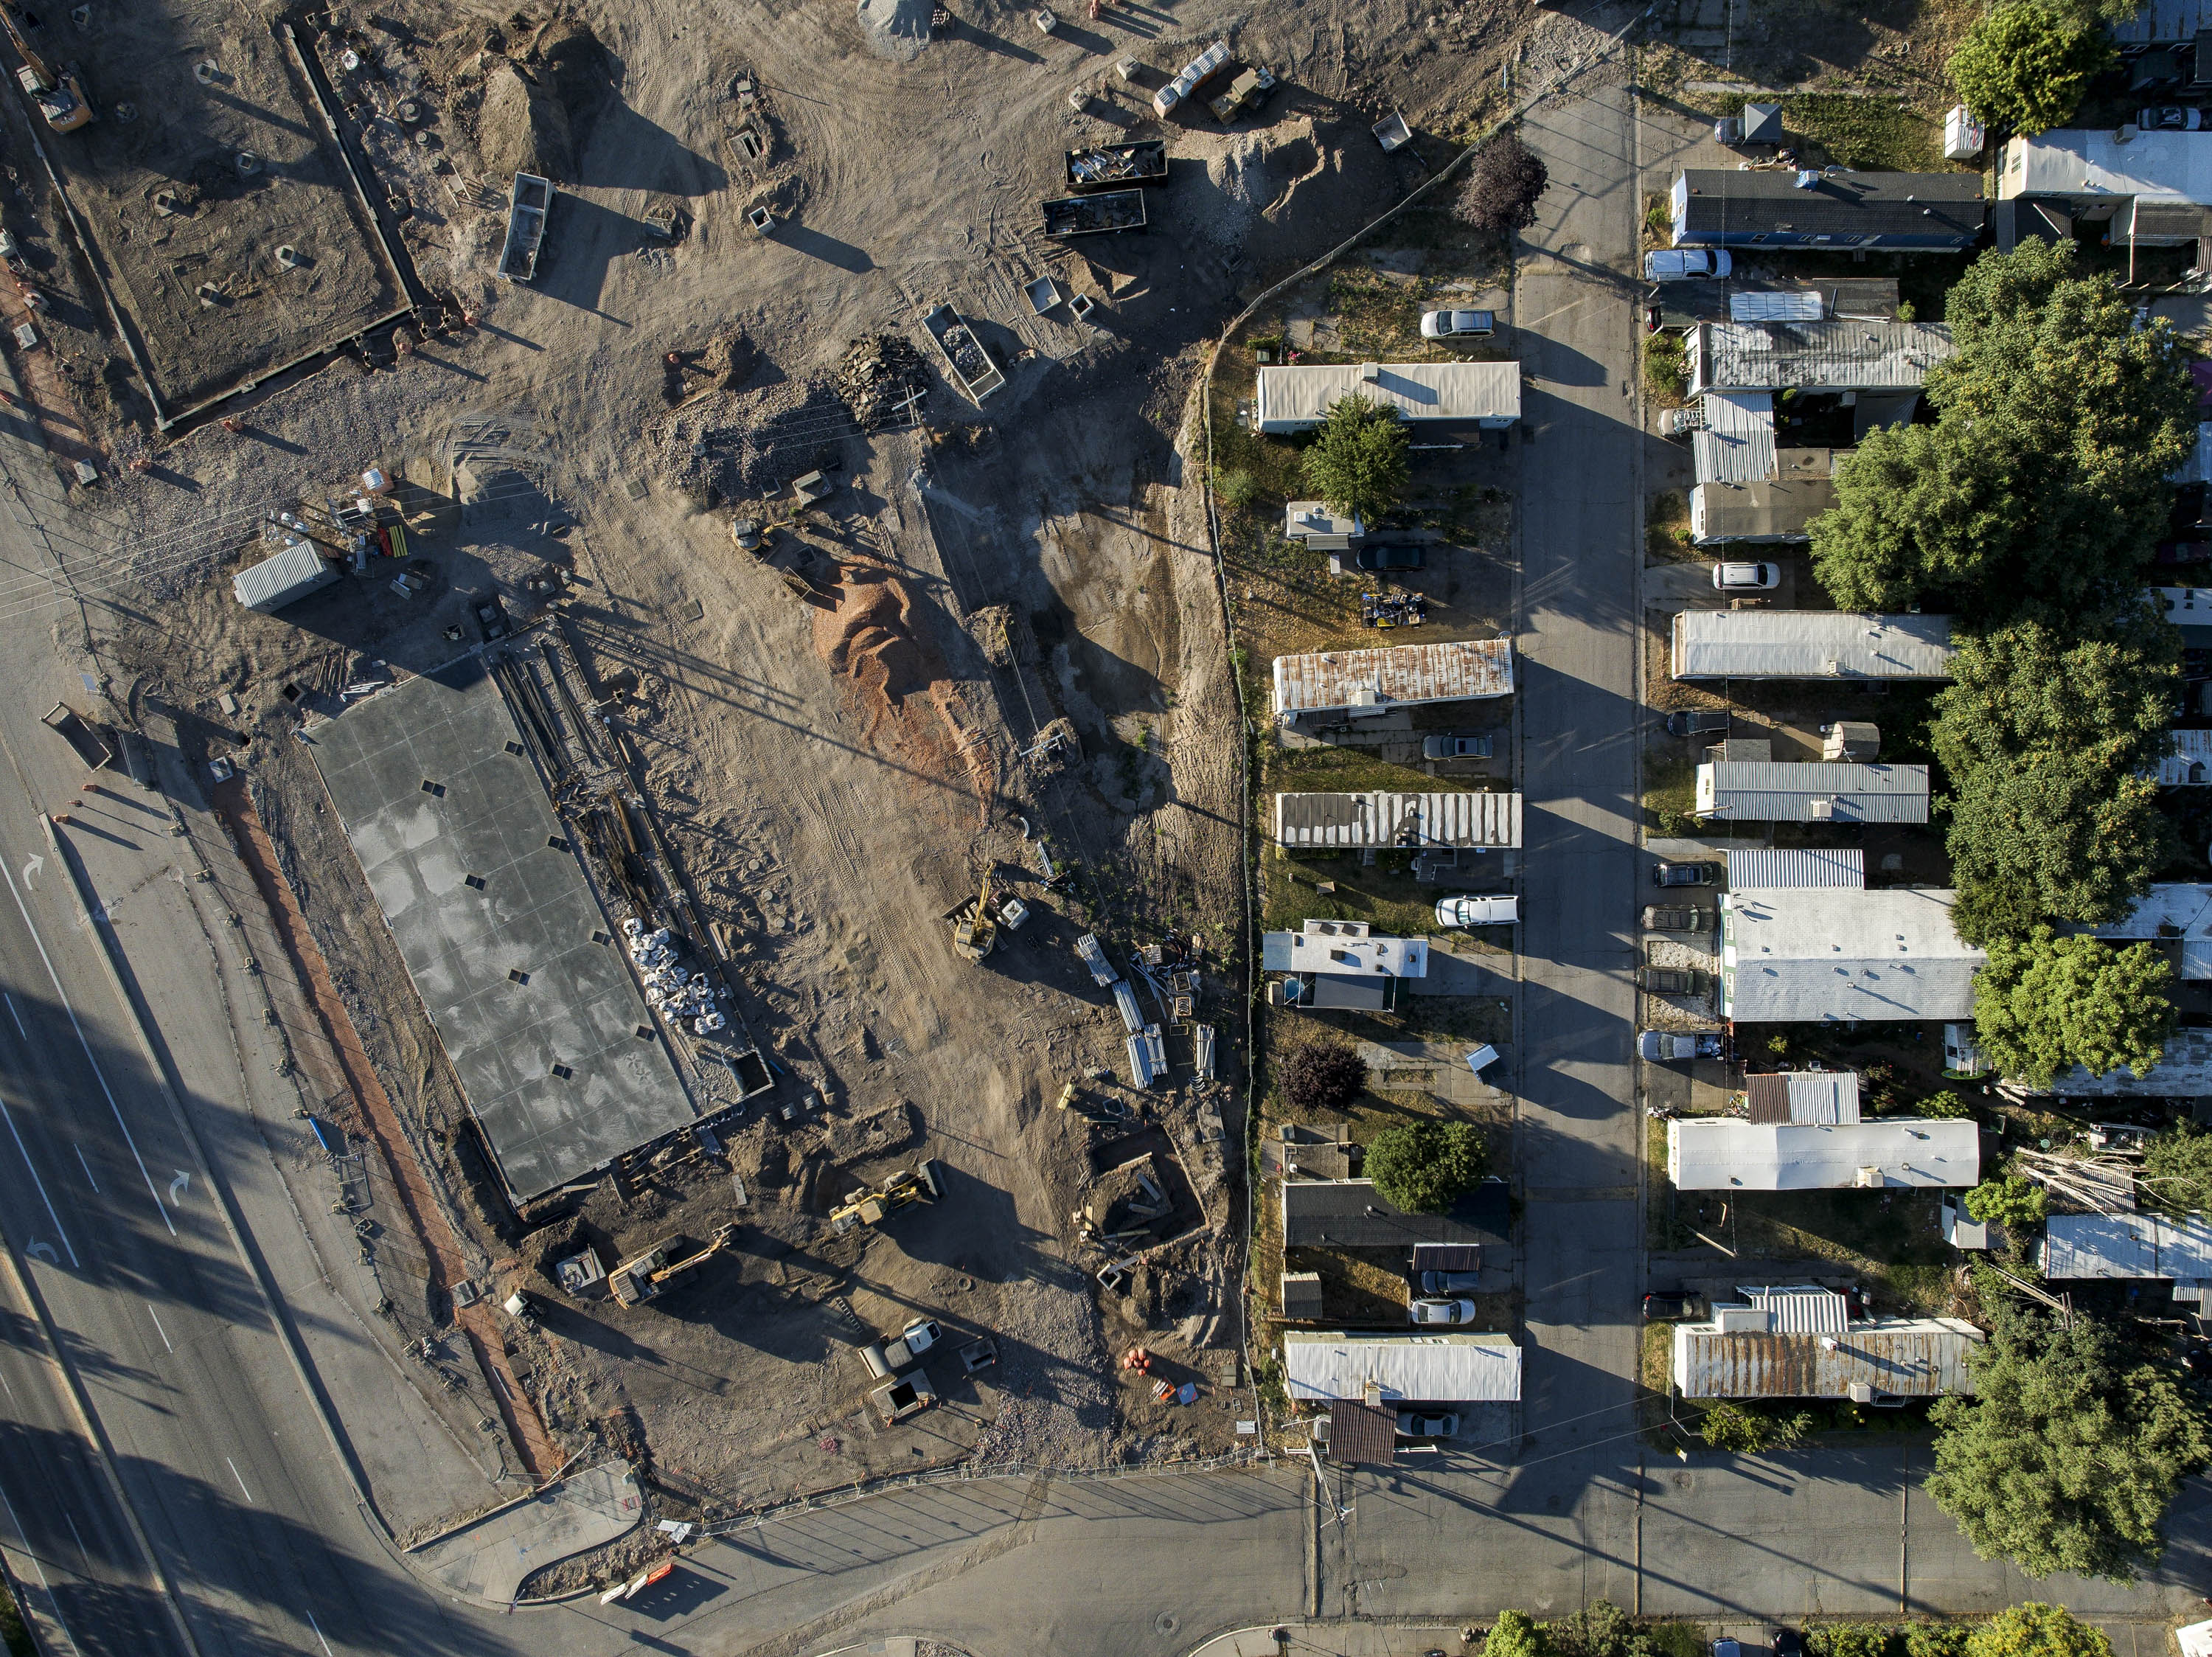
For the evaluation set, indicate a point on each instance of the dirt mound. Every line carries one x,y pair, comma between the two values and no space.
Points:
520,129
529,94
733,446
868,635
878,376
897,29
724,365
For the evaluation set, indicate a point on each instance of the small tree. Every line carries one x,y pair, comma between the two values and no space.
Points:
1504,181
1946,1107
2026,65
2037,1631
1600,1628
1321,1075
2011,1200
2177,1174
2044,1004
1732,1427
1421,1166
1358,461
1936,1639
1513,1634
1850,1639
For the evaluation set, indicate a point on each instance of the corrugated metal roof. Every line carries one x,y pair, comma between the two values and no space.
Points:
1334,679
1800,1309
2189,763
2168,23
2183,1071
1291,398
1803,305
1809,644
1737,443
1804,1096
2170,912
1827,791
1843,354
2127,1246
1914,1357
1764,867
1455,1368
1148,1057
1361,1435
292,574
1344,820
1728,1154
1795,955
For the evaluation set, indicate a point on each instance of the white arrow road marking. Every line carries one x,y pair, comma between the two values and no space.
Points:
32,868
177,1185
44,1251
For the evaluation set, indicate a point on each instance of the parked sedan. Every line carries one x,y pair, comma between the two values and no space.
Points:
1437,1309
1429,1424
1712,721
1727,1648
1685,873
1458,324
1449,1282
1672,981
1669,917
1458,747
1785,1642
1746,577
2170,118
1669,1303
1390,555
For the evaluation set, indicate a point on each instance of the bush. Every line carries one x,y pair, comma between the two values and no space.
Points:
1748,1432
1946,1107
1665,366
1321,1075
2027,64
1503,183
2011,1200
1235,489
1421,1166
1515,1636
1851,1640
1600,1629
1936,1639
2037,1631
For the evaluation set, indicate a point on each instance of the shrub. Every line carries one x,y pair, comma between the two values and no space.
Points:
1515,1636
2010,1201
2027,64
1851,1640
1421,1166
1235,489
1936,1639
1321,1075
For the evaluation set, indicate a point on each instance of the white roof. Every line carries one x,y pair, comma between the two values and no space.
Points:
1721,1153
2127,1246
1754,868
2186,909
1381,678
1843,354
1343,946
1800,1309
1901,1357
1439,1368
1809,644
2190,764
1378,818
1304,518
1812,954
2184,1070
2164,166
1829,791
1737,443
1296,397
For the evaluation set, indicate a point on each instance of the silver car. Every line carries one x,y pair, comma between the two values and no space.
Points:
1437,1309
1458,324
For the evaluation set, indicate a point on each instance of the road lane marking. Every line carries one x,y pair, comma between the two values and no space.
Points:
31,867
87,1167
233,1465
10,1117
177,1185
163,1333
16,1015
318,1628
99,1074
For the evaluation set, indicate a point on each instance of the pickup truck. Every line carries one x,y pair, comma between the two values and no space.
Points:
887,1358
1661,1046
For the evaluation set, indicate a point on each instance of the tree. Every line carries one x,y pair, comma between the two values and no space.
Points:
2068,1455
1320,1075
2177,1173
1732,1427
2058,836
2026,65
2102,695
1513,1634
1421,1166
1936,1639
1358,460
2012,1201
2044,1004
1503,183
1850,1639
2037,1631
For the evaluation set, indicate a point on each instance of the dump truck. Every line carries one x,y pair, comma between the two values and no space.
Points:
872,1206
1117,165
1094,216
529,203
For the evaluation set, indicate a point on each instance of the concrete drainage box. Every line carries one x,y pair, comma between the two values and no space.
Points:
513,957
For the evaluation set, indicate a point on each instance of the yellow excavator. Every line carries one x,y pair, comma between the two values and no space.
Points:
976,927
872,1207
58,94
644,1277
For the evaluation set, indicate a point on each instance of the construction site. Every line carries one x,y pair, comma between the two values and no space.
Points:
725,656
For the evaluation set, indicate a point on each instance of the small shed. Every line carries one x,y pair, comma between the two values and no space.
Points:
1851,739
1362,1434
1301,1295
1804,1096
1321,530
298,570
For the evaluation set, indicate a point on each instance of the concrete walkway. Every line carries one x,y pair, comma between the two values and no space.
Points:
489,1558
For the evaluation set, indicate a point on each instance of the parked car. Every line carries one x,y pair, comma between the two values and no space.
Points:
1670,917
1685,873
1746,577
1458,747
1449,1282
1479,909
1429,1424
1727,1648
1683,263
1672,981
1390,555
1435,1309
1663,1045
1709,721
1669,1303
2170,118
1785,1642
1458,324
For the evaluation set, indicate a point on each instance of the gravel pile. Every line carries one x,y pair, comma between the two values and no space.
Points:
743,445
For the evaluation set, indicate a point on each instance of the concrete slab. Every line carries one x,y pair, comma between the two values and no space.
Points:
489,1558
1432,1067
517,966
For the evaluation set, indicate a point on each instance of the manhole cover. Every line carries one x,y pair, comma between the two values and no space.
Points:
1165,1623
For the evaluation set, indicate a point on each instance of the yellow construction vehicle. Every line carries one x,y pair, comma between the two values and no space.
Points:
644,1277
975,926
872,1207
58,94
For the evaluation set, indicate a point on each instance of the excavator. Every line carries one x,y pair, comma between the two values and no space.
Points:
59,95
647,1274
975,927
872,1207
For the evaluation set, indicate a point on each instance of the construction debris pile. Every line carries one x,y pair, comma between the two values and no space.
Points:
881,380
673,990
733,446
968,354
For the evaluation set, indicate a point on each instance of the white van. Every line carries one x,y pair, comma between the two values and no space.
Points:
1479,909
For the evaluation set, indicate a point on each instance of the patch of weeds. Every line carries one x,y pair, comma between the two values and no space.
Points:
1666,369
1667,527
1670,790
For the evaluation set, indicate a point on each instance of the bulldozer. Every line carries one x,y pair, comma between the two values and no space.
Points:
645,1276
58,94
871,1206
976,925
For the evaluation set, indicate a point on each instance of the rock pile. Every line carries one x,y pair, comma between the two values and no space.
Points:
877,376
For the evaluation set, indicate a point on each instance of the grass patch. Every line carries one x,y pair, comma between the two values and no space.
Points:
1677,1639
1891,1240
1670,789
1667,527
1873,133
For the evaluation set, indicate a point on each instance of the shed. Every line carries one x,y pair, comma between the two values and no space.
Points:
1762,124
1780,506
1822,792
1297,397
1784,208
1855,354
1728,1154
1754,868
1362,1434
1793,956
1851,738
1346,821
1886,1357
290,575
1804,1096
1840,644
2176,918
2147,1247
1443,1367
1375,681
1353,1214
1301,1295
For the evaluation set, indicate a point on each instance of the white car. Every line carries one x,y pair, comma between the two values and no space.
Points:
1479,909
1429,1424
1458,324
1746,577
1684,263
1437,1309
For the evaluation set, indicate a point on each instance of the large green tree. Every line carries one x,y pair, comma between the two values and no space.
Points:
1513,1634
2104,693
2041,486
2177,1171
2069,1452
2037,1631
2044,1004
1358,462
1421,1166
2026,65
